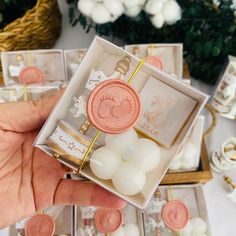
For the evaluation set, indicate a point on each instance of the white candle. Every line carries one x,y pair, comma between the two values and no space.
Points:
198,225
146,155
131,230
129,180
104,163
120,142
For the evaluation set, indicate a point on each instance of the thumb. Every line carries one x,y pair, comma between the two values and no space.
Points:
26,115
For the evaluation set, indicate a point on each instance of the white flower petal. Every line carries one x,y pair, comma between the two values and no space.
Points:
115,7
171,12
86,7
133,11
131,3
158,20
100,15
154,6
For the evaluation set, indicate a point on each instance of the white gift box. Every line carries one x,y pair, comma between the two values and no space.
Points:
194,199
102,55
84,220
171,55
60,214
224,98
50,62
22,93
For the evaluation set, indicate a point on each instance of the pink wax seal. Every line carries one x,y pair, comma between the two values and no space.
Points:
31,75
40,225
175,215
113,106
108,220
155,61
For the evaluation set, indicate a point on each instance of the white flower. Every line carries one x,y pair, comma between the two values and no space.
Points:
101,15
163,11
133,11
115,7
154,6
158,20
101,11
132,3
171,12
86,6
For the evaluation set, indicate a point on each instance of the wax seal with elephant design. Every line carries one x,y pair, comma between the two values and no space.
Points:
114,106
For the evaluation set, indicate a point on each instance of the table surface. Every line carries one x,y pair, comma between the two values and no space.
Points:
222,212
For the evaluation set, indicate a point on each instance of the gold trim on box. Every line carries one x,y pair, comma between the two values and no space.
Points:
72,133
60,151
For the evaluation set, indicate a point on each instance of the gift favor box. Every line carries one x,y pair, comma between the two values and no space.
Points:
169,110
73,58
33,67
23,93
167,57
187,201
224,98
60,214
91,220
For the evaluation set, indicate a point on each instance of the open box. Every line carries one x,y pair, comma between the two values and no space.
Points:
191,195
102,55
48,66
171,55
83,224
61,215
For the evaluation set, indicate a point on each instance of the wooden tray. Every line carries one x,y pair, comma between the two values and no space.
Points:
203,174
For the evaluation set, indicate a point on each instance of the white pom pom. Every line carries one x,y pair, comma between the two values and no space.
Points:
153,7
100,14
171,12
115,7
131,3
189,155
158,20
86,7
133,11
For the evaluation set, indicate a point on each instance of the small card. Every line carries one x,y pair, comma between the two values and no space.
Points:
165,110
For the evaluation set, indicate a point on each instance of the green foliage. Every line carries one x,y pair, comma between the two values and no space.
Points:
13,9
207,32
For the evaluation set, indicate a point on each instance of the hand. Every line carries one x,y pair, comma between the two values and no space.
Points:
30,180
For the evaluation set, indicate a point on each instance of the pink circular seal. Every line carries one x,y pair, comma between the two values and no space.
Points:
108,220
155,61
41,225
31,75
175,215
114,106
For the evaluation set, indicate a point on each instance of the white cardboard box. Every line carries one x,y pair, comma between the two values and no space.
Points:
194,199
224,98
103,55
170,54
50,62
